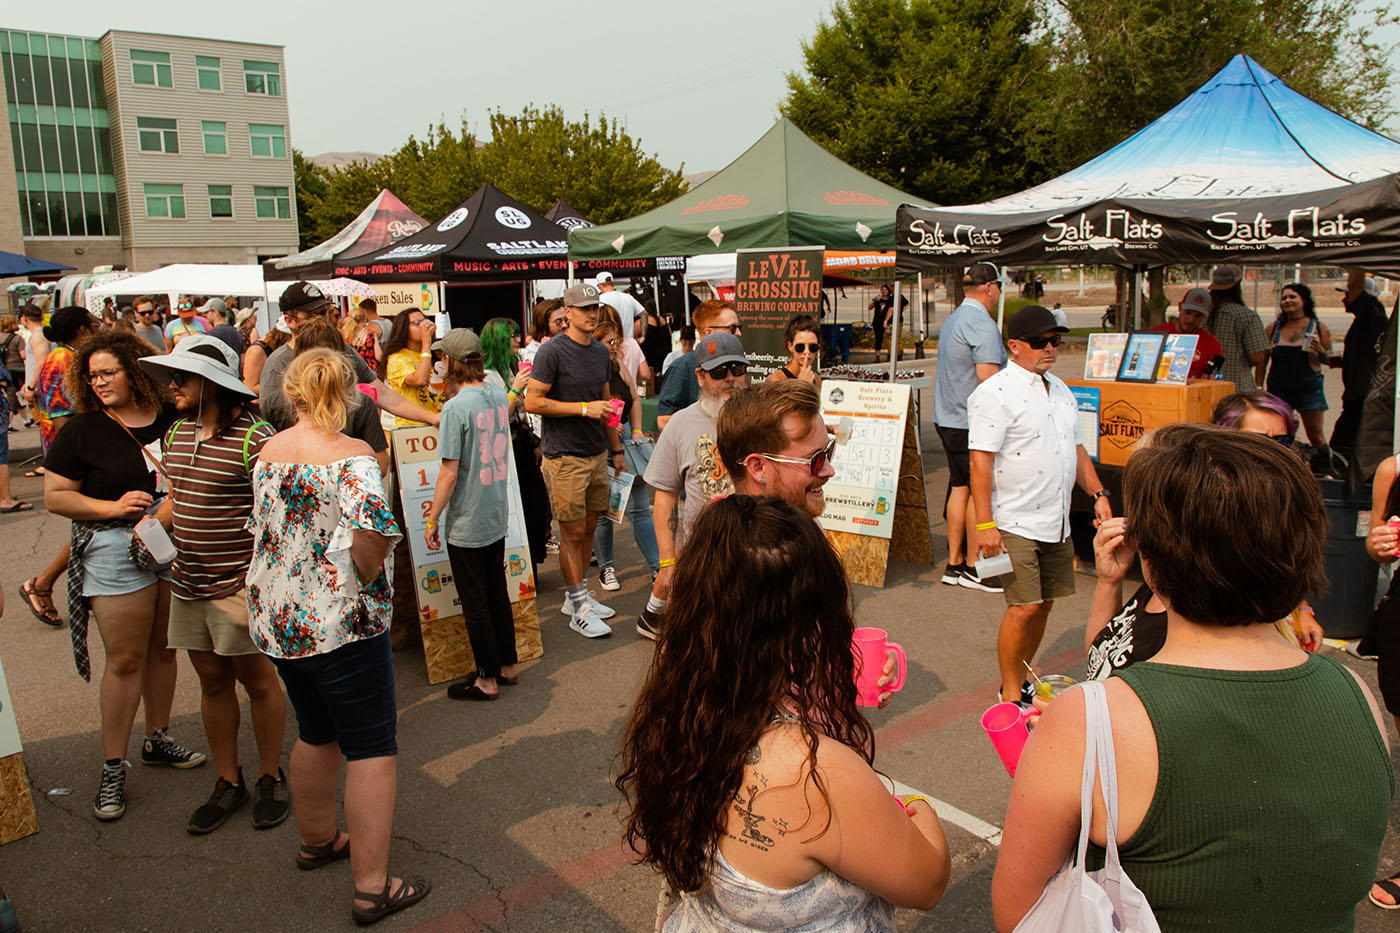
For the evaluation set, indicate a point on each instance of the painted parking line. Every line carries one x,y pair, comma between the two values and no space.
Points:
496,908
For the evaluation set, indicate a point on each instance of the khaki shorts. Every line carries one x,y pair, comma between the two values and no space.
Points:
217,625
577,485
1040,571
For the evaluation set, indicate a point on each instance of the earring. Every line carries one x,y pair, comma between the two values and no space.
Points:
762,480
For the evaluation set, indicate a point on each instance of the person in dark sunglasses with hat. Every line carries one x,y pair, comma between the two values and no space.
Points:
1026,454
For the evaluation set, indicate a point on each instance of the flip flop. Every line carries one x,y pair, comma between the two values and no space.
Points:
29,593
1389,886
18,507
35,472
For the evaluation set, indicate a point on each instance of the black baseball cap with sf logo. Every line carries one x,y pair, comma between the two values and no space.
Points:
303,296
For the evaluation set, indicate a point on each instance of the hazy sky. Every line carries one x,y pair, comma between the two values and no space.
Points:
696,83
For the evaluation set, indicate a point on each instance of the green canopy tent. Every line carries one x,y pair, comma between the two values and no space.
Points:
785,190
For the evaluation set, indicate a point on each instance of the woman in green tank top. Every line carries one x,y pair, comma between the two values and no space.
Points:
1254,779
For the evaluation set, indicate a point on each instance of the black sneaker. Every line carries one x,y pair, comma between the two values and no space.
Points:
1024,699
969,579
110,802
160,749
225,799
954,573
271,807
649,625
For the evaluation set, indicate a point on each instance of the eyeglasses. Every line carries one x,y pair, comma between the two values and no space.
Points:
815,463
106,375
723,370
1040,343
805,347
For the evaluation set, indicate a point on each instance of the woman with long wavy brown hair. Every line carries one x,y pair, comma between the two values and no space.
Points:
746,762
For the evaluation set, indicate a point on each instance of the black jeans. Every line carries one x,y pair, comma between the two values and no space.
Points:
480,575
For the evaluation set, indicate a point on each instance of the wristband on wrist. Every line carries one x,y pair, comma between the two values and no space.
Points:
984,526
913,797
425,354
583,409
668,562
1098,495
431,523
617,453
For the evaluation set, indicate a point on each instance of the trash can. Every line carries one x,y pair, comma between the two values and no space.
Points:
1344,609
837,337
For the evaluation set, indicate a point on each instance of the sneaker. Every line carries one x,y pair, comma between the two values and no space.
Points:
607,579
110,802
551,544
225,799
587,624
969,579
271,807
1024,699
953,574
648,625
603,612
160,749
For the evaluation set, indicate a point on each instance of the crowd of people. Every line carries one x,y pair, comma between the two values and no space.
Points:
227,493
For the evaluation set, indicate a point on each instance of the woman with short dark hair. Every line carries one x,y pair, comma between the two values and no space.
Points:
803,341
1217,781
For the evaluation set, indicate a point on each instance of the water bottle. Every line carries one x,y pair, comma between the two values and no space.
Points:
152,534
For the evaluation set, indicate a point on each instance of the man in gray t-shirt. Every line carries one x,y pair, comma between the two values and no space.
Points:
148,324
969,352
686,460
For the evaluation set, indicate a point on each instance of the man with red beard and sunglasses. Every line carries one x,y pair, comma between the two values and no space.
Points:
1026,454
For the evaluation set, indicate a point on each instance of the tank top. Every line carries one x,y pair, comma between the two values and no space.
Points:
1288,358
1273,795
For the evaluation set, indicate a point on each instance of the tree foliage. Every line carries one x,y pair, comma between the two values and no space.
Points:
537,158
923,94
1117,65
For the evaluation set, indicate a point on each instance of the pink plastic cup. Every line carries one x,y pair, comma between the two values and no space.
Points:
615,414
1005,725
871,646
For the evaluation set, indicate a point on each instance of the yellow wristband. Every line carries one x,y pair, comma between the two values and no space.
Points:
431,523
913,797
983,526
668,562
583,409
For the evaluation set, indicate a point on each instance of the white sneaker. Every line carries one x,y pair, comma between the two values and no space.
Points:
607,579
587,624
603,612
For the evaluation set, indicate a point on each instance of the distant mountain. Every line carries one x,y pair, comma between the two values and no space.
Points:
338,160
699,178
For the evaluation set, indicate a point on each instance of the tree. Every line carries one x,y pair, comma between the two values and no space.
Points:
923,94
311,184
539,157
1117,65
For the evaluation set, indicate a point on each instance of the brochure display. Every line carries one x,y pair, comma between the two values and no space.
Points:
1104,355
445,646
875,503
1140,357
1177,355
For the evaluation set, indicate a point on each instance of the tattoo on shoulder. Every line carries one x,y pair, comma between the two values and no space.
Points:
754,756
752,836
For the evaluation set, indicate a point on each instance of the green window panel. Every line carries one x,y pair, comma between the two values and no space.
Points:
215,137
262,78
165,201
150,68
271,202
221,200
207,76
157,134
268,140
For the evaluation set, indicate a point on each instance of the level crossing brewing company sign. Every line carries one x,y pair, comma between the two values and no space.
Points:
770,286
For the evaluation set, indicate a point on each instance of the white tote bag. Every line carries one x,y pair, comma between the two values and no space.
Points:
1105,901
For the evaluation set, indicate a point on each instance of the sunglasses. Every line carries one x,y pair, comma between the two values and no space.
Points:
723,370
804,348
1040,343
815,463
731,328
1284,439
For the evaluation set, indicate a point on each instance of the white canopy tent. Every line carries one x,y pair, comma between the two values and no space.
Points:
185,278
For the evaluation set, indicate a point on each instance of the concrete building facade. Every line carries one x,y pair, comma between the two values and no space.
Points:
139,149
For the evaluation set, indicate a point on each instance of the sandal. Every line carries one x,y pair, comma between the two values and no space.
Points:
17,507
386,903
311,858
35,598
1389,886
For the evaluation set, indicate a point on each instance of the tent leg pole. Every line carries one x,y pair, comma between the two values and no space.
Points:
919,306
1137,297
894,333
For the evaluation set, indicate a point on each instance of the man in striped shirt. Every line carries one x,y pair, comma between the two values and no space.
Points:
209,457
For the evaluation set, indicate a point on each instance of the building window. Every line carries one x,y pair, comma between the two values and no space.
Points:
157,135
271,202
221,200
165,201
267,139
206,69
150,68
262,78
215,137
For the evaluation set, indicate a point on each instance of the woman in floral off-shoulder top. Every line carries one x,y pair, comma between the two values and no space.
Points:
319,604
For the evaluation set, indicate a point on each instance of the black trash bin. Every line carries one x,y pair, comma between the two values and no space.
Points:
1344,609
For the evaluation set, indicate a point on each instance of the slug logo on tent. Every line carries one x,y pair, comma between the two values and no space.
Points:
452,219
510,217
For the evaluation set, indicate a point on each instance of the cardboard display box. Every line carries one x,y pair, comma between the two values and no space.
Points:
1127,410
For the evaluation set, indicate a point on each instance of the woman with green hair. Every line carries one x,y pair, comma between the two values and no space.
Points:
500,355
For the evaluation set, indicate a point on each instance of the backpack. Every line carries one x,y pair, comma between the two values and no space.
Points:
247,441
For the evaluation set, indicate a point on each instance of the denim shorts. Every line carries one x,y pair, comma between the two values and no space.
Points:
107,566
346,696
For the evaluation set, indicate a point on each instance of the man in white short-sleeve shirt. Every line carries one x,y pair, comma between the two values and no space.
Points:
626,306
1026,453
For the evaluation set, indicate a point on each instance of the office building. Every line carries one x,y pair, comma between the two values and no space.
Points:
139,149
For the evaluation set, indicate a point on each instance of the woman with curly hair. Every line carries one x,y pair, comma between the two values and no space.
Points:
1299,344
103,471
746,762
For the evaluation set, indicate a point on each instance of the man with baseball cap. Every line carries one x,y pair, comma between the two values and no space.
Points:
626,306
1027,453
686,461
185,324
969,353
1239,330
1361,348
301,302
216,315
1191,314
568,389
209,457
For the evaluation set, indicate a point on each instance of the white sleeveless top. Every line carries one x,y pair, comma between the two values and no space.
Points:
735,903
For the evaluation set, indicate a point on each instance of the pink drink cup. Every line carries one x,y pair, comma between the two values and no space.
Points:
871,646
1005,725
